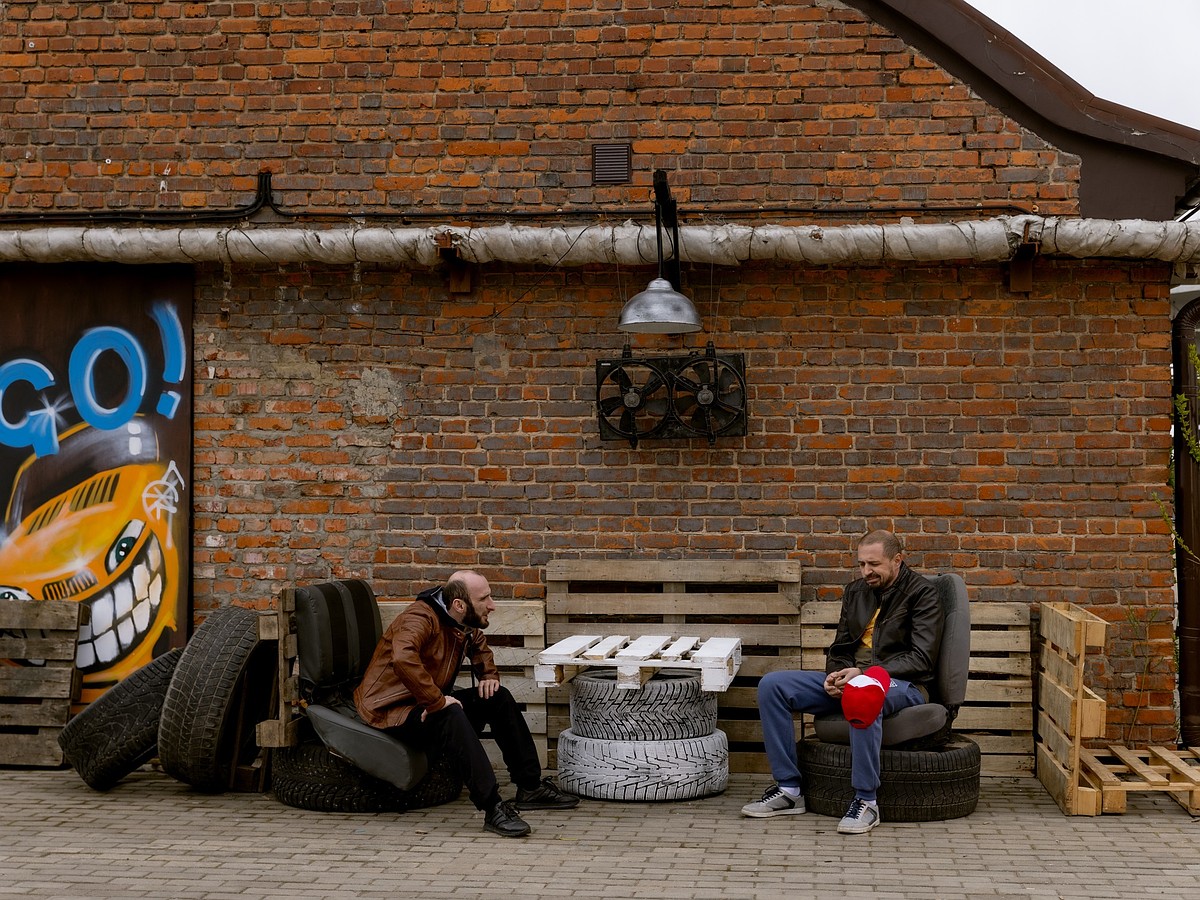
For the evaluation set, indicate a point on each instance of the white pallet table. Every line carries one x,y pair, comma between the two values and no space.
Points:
717,658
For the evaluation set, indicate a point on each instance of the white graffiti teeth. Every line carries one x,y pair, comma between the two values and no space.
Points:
121,614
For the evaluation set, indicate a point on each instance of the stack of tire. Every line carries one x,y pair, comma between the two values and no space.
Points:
654,744
188,707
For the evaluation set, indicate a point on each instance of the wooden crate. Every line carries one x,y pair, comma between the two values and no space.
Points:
754,600
35,700
998,711
516,634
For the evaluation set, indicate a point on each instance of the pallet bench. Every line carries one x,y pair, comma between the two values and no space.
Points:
758,602
717,659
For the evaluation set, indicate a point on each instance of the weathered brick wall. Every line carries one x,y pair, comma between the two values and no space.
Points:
422,105
362,424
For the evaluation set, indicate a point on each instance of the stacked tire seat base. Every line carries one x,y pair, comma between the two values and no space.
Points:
658,743
915,785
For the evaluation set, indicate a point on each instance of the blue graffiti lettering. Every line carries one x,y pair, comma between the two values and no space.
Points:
38,429
174,355
94,343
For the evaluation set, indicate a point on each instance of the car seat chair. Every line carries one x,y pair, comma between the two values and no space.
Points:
929,724
337,629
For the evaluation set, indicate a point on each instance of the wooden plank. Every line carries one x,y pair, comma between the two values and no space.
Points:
42,615
1136,766
1014,691
690,570
46,712
36,681
644,647
1073,799
1084,719
1059,624
750,635
1056,740
606,647
58,648
1113,796
679,648
39,749
1179,768
984,616
510,617
673,604
569,647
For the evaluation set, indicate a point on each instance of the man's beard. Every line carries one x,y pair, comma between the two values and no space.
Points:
472,619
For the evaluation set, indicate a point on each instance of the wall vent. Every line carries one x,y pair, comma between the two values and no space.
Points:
611,163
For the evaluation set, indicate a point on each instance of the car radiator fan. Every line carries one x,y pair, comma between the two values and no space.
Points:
671,397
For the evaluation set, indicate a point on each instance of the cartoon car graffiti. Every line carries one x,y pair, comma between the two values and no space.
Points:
93,523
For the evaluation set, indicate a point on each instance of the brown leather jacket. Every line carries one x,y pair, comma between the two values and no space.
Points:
416,662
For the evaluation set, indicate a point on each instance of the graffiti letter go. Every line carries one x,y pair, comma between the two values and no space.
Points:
39,428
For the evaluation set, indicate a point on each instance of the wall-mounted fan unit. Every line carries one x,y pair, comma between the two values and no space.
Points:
671,397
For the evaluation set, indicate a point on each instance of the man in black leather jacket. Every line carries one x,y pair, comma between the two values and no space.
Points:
890,618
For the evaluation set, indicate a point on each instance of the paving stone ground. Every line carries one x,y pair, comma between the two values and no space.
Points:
152,837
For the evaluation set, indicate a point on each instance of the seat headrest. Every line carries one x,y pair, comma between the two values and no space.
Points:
337,628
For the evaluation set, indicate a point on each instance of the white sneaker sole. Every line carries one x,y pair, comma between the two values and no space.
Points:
856,828
794,811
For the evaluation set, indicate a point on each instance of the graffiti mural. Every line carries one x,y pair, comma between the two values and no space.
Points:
95,455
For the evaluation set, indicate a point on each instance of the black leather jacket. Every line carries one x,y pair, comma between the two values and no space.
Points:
908,631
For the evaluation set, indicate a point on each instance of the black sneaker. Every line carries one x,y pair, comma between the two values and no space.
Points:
545,796
503,820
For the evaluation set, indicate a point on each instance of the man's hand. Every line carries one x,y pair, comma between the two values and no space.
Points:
835,681
450,701
488,687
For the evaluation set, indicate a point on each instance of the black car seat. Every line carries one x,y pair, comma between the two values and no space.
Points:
337,629
928,724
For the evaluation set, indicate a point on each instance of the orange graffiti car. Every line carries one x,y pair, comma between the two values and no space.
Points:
93,523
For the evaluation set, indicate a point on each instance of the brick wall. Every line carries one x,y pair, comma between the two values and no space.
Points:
472,104
359,423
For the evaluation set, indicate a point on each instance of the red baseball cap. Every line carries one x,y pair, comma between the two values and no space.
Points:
862,697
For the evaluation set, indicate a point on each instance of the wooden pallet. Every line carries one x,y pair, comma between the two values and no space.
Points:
998,711
716,659
1068,711
516,634
1118,772
35,700
754,601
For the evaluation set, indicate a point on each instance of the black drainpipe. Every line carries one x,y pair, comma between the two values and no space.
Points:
1187,522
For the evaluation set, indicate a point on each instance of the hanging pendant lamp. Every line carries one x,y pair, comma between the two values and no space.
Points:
660,308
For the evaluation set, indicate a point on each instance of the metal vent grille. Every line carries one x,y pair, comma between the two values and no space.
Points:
611,163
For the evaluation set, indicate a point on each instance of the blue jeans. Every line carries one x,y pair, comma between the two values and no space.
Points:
782,693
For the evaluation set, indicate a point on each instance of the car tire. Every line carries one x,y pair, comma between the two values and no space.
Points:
915,785
308,776
605,769
219,691
670,706
118,731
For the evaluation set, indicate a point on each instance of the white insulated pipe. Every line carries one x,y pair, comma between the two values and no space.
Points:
985,240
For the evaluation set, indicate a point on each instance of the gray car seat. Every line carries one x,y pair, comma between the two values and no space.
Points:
337,630
929,724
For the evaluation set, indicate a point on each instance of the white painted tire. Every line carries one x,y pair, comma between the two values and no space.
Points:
643,770
668,707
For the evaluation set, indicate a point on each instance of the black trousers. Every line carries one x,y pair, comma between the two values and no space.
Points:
453,733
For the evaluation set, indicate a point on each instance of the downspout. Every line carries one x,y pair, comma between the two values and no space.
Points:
1186,331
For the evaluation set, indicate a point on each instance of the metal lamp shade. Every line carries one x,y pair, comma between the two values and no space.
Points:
659,309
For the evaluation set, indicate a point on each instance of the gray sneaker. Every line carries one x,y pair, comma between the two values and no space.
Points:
774,802
861,817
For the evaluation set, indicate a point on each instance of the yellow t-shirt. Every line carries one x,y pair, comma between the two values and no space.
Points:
862,654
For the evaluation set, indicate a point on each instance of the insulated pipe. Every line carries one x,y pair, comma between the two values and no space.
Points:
985,240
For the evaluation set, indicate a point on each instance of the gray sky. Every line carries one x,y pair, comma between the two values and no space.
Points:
1139,53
